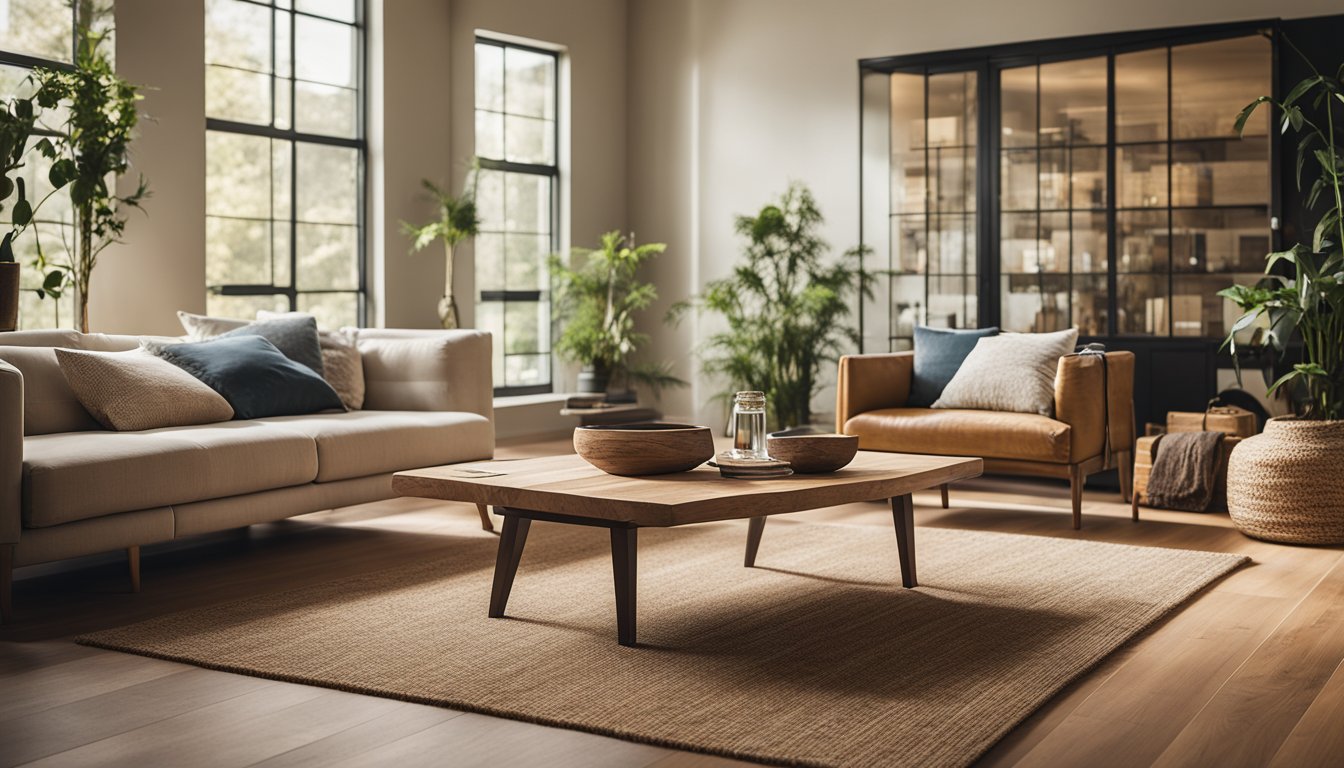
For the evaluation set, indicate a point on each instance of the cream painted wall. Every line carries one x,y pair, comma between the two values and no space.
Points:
732,99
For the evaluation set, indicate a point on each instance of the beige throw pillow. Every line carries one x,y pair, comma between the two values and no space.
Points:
1010,372
131,391
343,368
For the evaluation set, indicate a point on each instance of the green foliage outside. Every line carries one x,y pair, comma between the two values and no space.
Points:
92,146
599,298
1310,303
786,309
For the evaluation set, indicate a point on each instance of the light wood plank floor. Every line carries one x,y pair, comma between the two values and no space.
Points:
1252,673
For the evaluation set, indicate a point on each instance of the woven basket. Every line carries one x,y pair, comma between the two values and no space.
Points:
1287,484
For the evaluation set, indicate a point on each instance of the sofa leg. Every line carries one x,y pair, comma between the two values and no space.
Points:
133,561
6,583
484,512
943,488
1134,507
1125,461
1076,480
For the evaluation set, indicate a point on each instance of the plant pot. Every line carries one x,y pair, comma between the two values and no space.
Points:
1287,484
593,381
9,295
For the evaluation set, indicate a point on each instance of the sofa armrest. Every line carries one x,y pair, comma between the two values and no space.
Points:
414,370
11,452
870,382
1092,396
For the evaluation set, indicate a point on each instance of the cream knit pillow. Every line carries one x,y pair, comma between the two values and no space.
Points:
131,391
1010,372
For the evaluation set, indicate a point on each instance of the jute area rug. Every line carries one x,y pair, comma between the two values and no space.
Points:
814,657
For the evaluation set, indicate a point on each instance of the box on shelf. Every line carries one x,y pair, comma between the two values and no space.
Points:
1231,420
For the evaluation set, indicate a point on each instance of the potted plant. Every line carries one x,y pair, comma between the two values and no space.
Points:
1287,484
598,295
17,119
457,221
90,150
786,309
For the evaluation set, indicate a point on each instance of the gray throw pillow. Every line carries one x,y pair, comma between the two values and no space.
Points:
295,337
1010,372
131,391
939,352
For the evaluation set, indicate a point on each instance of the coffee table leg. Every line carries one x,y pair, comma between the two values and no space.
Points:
755,527
511,541
624,566
903,510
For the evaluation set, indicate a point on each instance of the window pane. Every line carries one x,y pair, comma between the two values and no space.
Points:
907,115
490,200
243,307
954,174
1056,243
529,140
952,109
238,178
328,257
324,51
1089,241
1198,310
490,77
1144,243
908,183
341,10
326,110
490,318
1141,305
489,250
951,302
238,251
954,245
328,189
1220,240
1211,82
1087,177
40,28
529,87
1231,172
527,370
1018,106
1089,304
332,310
490,135
1054,179
1019,180
1035,303
232,39
233,94
1073,102
1141,176
1017,243
527,203
524,256
909,244
1141,96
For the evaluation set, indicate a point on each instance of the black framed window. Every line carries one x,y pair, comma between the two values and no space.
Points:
285,157
517,139
39,33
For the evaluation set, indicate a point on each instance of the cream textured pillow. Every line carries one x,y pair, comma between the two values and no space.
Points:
131,391
1010,372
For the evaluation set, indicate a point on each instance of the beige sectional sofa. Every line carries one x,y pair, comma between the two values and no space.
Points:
70,488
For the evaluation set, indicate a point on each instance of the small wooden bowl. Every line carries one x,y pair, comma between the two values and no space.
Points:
813,454
652,448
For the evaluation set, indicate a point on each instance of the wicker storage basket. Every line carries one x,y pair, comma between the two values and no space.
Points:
1287,484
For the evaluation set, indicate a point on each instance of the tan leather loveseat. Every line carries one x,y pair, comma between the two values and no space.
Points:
70,488
1092,398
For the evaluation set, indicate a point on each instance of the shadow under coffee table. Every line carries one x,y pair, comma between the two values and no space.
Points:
566,489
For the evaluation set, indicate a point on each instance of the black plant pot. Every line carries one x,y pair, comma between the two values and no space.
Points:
593,380
9,295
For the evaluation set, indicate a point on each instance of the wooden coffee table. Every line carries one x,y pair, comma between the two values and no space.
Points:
566,489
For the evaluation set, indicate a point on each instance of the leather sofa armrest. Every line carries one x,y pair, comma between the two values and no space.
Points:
1092,400
11,452
871,382
424,370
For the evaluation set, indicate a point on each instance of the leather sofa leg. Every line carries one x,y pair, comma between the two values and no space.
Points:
484,512
133,563
1076,480
1125,464
6,583
943,488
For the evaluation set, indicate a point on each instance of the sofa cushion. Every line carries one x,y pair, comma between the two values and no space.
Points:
49,404
939,352
134,390
362,443
947,432
254,376
77,476
1010,372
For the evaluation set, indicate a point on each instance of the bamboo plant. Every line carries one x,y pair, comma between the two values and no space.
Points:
458,220
1309,300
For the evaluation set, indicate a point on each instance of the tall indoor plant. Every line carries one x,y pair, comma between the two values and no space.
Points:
597,296
90,150
457,220
786,308
1286,484
17,120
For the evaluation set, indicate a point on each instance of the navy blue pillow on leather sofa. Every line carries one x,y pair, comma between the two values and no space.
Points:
254,376
939,352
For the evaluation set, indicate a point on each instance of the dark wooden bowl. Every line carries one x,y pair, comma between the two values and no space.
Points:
813,454
653,448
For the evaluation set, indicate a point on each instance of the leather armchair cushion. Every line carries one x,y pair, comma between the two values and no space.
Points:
952,432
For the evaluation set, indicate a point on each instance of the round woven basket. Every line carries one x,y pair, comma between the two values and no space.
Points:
1287,484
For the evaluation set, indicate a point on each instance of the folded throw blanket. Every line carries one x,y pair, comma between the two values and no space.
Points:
1185,468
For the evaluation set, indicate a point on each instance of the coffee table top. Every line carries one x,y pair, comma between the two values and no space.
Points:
568,485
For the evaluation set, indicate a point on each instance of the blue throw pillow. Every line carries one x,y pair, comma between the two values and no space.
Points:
253,375
939,352
295,336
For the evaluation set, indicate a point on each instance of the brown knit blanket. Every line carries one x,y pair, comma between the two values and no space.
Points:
1185,468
